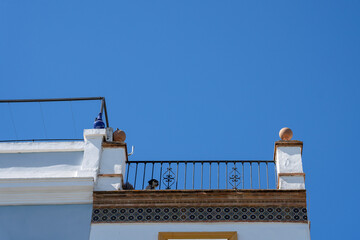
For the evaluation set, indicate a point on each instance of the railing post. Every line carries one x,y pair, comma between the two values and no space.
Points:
135,175
227,175
259,174
144,176
218,175
185,175
202,167
251,185
127,171
160,177
267,175
243,177
177,174
193,175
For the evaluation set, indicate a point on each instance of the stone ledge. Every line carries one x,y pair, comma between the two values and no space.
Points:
199,198
113,144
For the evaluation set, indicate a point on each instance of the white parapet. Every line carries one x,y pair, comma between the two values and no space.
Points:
92,152
288,159
108,183
104,161
44,191
33,147
113,160
112,167
33,173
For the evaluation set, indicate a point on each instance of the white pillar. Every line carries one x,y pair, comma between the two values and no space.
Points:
288,162
103,160
112,167
92,152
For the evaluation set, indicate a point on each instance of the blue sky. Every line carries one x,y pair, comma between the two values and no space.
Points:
198,80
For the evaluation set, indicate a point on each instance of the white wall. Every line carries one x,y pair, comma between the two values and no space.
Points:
45,222
246,231
113,161
40,164
40,191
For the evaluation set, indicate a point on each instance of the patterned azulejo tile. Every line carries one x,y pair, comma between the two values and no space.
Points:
199,214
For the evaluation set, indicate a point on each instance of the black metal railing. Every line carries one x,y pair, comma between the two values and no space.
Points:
203,174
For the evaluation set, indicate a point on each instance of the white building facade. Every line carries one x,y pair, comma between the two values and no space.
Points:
73,190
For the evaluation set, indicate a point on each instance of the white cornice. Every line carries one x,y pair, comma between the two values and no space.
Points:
94,133
36,191
30,147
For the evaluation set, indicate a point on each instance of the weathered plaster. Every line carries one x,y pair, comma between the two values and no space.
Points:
288,160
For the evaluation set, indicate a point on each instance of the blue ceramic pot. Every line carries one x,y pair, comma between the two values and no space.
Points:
98,124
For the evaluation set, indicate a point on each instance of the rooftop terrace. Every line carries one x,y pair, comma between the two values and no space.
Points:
97,170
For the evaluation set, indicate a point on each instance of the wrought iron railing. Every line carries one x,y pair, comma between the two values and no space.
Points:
201,174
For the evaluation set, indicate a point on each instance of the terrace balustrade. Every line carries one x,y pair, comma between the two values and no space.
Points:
203,174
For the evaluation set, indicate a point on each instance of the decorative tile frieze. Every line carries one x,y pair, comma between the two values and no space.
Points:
199,214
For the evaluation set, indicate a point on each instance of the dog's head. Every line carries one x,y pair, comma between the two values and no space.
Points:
153,183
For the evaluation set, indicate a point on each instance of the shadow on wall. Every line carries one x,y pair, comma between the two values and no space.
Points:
45,222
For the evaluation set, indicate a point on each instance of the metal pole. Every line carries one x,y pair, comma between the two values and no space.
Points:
127,172
259,174
251,176
102,106
152,171
193,175
243,178
218,175
144,176
267,176
235,168
210,175
135,175
51,99
202,168
276,177
185,175
160,175
226,176
177,174
106,115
